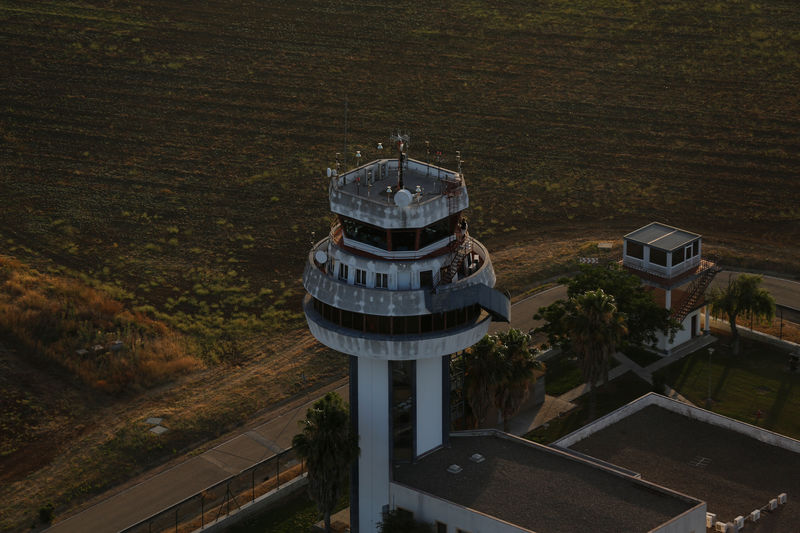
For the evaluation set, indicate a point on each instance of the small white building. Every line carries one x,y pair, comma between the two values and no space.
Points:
669,260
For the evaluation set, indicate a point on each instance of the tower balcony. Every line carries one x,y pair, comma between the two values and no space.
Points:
397,288
357,337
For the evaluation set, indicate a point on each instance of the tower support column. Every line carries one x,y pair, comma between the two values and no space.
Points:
429,404
373,425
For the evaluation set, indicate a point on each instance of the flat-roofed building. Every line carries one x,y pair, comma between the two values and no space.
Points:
734,467
517,485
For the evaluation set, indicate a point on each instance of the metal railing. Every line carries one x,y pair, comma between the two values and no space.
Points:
220,499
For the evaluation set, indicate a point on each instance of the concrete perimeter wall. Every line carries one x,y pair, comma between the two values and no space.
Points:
684,409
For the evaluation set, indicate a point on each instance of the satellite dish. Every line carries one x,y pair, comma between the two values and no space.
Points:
330,172
402,198
321,256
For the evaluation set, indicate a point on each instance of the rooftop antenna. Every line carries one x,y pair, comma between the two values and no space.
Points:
402,141
345,133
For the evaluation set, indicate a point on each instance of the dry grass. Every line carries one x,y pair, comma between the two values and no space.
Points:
73,326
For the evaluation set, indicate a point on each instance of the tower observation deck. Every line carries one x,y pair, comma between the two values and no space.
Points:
399,284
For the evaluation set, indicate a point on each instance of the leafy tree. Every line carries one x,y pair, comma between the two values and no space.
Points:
400,521
498,370
328,445
480,370
742,296
644,317
515,369
595,328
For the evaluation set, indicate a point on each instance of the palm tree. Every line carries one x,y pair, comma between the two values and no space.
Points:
515,369
328,446
595,329
480,369
742,296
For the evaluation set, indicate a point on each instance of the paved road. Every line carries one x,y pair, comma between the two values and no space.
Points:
171,486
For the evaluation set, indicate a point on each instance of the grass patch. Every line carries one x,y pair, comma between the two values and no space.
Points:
617,393
754,387
562,375
641,356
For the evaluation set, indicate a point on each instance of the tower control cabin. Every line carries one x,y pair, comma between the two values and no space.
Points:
399,285
669,260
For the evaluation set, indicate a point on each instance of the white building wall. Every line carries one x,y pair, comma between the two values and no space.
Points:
692,521
373,429
681,336
429,404
429,508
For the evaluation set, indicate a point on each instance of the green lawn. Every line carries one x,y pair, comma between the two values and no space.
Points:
617,393
641,356
562,375
754,387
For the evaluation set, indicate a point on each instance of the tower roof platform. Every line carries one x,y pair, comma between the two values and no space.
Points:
662,236
538,488
371,194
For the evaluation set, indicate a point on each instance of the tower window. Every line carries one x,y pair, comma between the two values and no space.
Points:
381,281
343,271
403,240
361,277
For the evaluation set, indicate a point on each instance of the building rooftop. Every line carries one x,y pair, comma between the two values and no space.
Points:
661,236
733,472
362,194
540,488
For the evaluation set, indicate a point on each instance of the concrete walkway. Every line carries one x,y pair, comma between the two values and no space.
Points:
532,417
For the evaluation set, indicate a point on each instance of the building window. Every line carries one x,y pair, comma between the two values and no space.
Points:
696,248
361,277
403,240
635,250
677,257
343,271
381,281
658,257
441,527
364,233
435,232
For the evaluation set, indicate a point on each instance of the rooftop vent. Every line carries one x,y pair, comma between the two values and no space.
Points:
711,519
454,469
738,522
723,527
755,515
477,458
782,498
773,504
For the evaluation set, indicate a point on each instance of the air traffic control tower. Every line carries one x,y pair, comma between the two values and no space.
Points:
399,285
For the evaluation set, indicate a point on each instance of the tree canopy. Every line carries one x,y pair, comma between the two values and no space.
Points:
498,372
742,296
595,328
643,316
328,445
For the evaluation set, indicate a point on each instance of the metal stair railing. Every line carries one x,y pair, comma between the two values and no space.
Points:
696,290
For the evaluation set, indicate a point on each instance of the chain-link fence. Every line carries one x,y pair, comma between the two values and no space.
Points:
224,497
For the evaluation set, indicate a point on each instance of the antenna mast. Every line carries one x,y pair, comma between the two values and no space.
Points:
345,134
402,142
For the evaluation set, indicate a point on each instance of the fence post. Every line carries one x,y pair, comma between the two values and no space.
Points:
176,518
253,484
277,471
202,510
